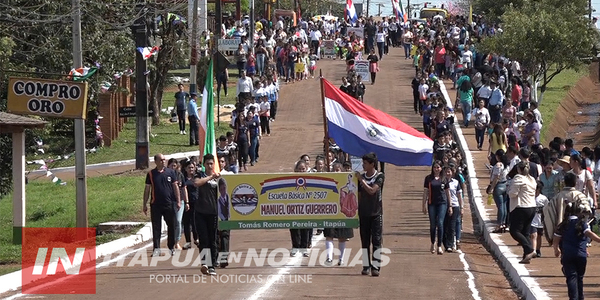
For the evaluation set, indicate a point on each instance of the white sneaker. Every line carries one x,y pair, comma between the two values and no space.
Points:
156,252
432,249
440,251
183,132
187,245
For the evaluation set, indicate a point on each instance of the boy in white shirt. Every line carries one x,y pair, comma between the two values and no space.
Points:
537,227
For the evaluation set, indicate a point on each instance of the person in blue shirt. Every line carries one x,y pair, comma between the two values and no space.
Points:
496,101
194,119
570,243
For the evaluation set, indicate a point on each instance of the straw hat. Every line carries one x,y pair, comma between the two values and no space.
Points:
565,159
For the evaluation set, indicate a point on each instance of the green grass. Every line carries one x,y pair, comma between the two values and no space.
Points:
167,140
555,93
110,198
169,97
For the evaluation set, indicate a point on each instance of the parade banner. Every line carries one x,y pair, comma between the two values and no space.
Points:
359,32
329,48
292,200
362,68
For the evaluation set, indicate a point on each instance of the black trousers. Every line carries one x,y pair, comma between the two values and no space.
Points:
157,213
222,81
520,227
574,269
273,109
371,231
181,119
224,244
242,153
300,238
189,224
207,229
314,45
417,102
373,75
193,130
264,125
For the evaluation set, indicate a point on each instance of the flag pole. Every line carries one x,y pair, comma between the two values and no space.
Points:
325,130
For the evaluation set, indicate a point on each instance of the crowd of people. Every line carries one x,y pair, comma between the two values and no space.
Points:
536,188
187,193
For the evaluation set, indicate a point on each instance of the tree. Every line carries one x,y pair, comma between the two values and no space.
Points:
547,37
169,33
494,9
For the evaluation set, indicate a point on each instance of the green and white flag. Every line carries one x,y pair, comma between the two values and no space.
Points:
207,137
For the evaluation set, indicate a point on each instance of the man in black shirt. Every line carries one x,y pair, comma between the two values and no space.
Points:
370,213
207,213
162,183
180,98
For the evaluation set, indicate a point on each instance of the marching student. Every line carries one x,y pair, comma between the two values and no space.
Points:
189,221
300,237
370,213
162,183
570,243
341,234
174,164
265,109
537,227
207,213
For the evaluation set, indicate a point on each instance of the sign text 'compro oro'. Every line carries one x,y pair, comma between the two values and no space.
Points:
49,98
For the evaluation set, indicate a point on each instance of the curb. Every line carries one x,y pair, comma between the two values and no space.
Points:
509,261
12,281
117,163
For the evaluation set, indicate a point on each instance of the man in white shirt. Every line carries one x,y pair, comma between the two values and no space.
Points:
244,88
315,40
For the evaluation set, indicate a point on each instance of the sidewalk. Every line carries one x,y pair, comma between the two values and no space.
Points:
107,168
543,278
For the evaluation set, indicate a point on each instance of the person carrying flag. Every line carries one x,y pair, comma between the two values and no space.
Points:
370,213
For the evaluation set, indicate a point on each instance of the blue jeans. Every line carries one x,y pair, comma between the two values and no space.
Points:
437,213
407,47
260,63
178,219
290,71
574,269
380,47
479,136
466,111
451,227
501,200
252,150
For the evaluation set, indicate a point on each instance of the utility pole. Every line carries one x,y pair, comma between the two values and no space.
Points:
408,9
252,25
368,4
218,25
80,172
194,44
379,6
142,138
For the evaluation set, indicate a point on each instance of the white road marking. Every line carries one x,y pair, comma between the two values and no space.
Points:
282,272
98,266
461,256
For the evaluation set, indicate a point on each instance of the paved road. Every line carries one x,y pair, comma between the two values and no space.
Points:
413,273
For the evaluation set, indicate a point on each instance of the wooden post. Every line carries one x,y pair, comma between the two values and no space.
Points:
325,130
18,165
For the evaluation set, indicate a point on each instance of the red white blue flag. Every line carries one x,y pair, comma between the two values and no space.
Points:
351,12
359,129
399,10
